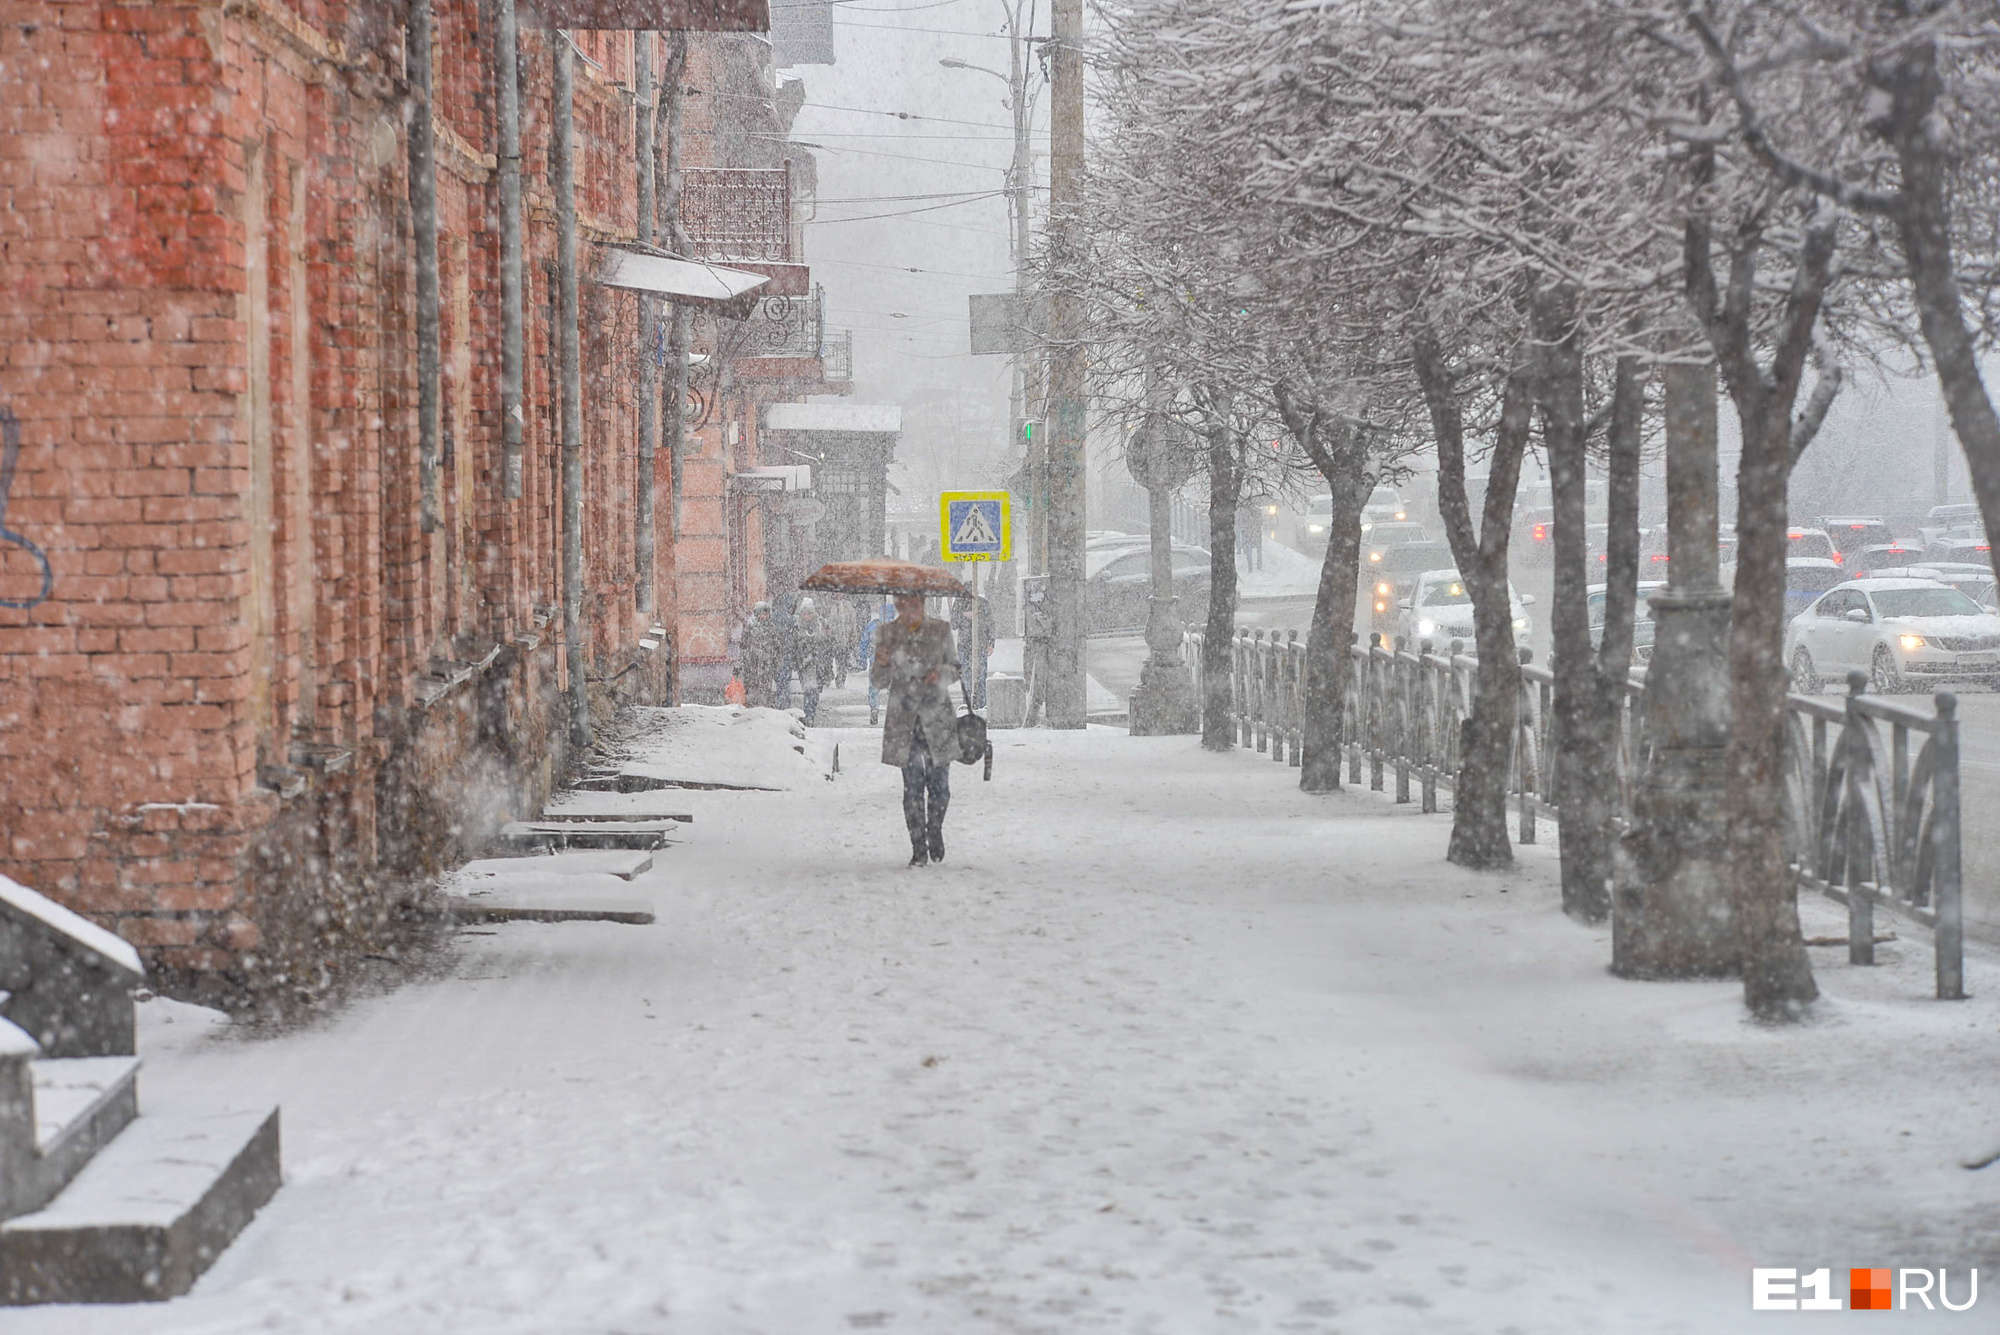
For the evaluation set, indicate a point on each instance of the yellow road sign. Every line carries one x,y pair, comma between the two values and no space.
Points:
975,526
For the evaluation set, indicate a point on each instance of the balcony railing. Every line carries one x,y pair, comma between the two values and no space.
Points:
836,354
738,213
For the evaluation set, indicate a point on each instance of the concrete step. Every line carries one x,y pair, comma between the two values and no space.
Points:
623,863
643,834
149,1213
81,1103
512,904
580,805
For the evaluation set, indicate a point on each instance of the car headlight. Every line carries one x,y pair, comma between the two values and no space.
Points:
1427,627
1520,623
1315,528
1401,515
1910,641
1374,556
1381,606
1381,588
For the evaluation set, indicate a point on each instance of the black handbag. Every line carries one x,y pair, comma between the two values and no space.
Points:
972,744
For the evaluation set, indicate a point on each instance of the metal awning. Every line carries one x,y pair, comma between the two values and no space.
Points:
695,282
774,477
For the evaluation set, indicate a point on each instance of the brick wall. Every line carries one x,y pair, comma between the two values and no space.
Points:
259,703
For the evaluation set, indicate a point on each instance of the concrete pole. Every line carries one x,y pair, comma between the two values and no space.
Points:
649,323
1065,668
1672,904
424,224
507,74
562,160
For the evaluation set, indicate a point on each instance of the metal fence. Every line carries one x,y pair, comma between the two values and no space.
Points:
1871,784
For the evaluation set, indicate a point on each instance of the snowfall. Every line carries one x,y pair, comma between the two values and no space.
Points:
1164,1046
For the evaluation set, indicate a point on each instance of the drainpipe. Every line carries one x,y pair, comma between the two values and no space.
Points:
563,163
423,213
507,72
672,79
649,318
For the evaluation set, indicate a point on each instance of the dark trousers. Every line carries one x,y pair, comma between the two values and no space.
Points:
926,789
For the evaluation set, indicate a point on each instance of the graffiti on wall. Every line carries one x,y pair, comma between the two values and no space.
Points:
10,457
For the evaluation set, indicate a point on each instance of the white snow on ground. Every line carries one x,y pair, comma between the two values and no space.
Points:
1284,574
725,745
1165,1046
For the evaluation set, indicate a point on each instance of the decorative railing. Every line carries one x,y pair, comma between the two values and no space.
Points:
738,213
1871,785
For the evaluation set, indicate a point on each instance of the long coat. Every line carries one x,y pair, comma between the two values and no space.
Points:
902,659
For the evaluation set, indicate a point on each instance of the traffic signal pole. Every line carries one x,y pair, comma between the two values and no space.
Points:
1066,412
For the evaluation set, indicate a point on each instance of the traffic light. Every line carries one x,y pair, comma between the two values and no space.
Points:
1030,428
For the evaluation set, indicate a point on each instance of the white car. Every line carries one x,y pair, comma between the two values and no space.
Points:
1439,609
1898,631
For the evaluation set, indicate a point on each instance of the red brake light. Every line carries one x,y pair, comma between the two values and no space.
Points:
1659,558
1795,533
1838,559
1541,532
1857,527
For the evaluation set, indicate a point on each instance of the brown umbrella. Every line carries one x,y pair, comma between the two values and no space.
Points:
883,574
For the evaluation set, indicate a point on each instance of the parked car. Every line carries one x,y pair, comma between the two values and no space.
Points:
1961,542
1880,558
1849,533
1811,542
1806,578
1642,618
1438,608
1898,631
1974,579
1118,585
1394,570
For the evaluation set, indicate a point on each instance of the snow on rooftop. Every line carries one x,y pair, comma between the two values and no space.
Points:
81,930
884,418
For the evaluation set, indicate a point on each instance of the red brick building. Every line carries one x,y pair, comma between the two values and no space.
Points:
256,696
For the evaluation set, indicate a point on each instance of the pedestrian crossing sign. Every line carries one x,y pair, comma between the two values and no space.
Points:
975,526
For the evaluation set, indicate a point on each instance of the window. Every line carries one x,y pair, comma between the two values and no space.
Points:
1834,605
1128,566
1451,593
1938,602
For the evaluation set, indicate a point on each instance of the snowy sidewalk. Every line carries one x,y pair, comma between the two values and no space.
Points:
1165,1046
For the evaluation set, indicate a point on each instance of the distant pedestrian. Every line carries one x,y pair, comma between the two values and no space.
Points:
916,660
760,655
883,616
814,654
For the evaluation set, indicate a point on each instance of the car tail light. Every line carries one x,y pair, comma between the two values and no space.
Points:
1541,533
1658,558
1795,534
1839,559
1857,527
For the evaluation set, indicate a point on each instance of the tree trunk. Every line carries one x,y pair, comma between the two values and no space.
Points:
1225,492
1578,762
1777,975
1923,219
1479,801
1329,665
1588,835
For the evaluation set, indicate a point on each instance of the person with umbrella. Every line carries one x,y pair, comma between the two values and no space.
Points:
916,659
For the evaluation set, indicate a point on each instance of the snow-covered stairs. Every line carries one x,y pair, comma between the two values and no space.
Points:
99,1203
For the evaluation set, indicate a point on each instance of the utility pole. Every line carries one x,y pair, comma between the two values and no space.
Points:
1066,419
1671,909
